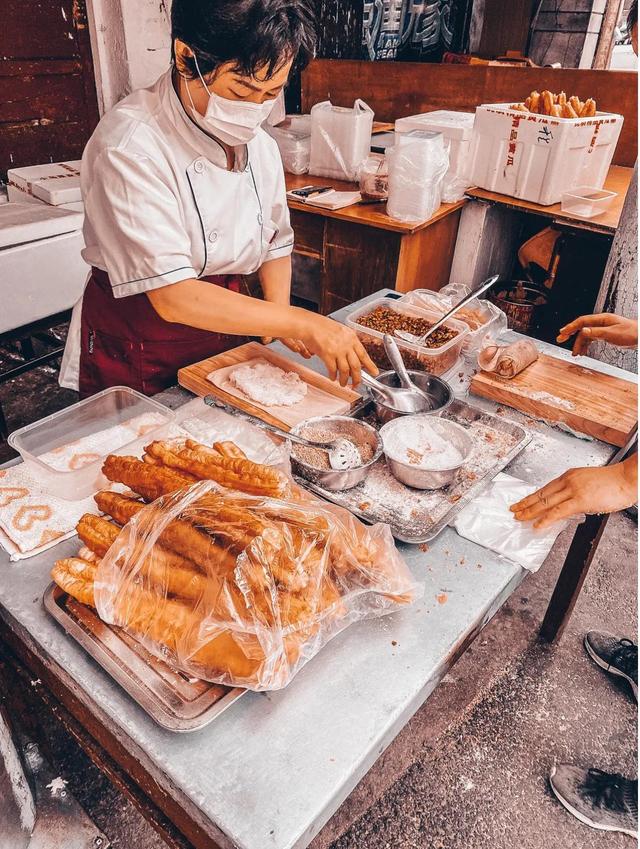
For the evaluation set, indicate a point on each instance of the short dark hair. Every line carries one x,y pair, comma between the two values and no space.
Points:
632,17
253,34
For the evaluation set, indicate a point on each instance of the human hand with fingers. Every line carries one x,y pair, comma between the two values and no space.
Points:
614,329
589,490
338,347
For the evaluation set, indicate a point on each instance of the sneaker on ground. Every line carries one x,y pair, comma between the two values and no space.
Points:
602,800
617,656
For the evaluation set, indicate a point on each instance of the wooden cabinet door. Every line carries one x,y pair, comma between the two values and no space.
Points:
48,104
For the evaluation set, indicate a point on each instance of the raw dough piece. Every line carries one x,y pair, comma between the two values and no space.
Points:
269,385
509,360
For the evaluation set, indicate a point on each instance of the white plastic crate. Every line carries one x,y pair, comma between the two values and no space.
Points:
538,158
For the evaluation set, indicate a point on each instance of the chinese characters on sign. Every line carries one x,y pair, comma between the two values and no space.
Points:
412,29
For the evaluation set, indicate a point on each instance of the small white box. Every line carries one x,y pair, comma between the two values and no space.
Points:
54,179
457,129
538,158
40,257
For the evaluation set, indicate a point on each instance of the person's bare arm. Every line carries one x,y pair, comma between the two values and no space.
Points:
199,304
614,329
275,279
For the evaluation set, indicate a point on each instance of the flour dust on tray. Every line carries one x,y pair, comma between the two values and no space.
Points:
269,385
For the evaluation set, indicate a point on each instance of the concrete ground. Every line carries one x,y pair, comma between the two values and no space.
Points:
470,770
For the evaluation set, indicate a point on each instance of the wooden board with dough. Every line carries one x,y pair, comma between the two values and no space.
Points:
211,377
588,401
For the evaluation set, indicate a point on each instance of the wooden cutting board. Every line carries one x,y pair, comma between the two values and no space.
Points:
324,397
587,401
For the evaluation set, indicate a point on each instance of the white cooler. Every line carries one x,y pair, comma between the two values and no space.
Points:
41,270
457,129
538,158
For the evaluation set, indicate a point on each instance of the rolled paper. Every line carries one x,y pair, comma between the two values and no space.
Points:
508,360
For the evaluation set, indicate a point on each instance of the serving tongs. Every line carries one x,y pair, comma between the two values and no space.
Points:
420,340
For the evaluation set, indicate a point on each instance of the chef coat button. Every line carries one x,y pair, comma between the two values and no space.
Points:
198,166
213,236
260,219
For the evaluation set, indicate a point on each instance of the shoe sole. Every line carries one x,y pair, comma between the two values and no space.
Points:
611,669
581,817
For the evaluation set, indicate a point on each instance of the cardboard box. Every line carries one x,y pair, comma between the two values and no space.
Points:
538,158
58,184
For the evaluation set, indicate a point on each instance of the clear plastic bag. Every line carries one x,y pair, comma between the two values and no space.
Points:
485,320
340,139
374,177
243,590
418,163
489,522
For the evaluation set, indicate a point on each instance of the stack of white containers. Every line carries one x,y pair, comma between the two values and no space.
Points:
56,184
417,165
457,130
340,139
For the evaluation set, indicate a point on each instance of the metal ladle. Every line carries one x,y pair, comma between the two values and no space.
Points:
343,454
397,364
398,399
420,340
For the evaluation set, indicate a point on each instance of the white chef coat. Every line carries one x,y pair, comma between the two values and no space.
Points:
161,206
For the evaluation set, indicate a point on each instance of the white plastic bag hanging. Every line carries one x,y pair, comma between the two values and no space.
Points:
488,521
340,139
418,163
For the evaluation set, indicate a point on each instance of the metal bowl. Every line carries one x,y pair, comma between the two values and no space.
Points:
421,478
331,479
439,390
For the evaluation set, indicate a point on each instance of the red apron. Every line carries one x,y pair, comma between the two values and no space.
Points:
124,342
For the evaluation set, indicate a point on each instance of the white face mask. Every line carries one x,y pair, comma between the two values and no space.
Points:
234,122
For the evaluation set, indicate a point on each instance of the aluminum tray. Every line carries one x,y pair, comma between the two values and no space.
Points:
418,517
173,700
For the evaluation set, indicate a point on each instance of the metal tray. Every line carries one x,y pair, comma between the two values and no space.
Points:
418,517
172,699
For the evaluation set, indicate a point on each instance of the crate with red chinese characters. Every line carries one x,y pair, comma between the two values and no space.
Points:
538,157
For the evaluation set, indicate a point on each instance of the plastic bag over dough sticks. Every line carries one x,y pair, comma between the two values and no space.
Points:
244,590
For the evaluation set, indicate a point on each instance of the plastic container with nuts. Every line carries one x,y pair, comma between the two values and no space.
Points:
381,316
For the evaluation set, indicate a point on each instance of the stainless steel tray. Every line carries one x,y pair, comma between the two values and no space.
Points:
172,699
418,517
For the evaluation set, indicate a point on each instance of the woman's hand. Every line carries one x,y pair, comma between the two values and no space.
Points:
337,346
294,345
614,329
599,490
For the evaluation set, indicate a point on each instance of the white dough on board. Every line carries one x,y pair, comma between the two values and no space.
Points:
269,385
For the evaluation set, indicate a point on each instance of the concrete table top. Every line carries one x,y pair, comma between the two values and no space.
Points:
271,770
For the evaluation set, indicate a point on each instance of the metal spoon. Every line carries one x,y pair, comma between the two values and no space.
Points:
420,340
400,400
343,454
397,363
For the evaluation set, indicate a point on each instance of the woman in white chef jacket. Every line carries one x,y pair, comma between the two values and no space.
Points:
184,193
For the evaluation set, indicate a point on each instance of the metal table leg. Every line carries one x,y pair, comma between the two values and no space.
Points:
577,562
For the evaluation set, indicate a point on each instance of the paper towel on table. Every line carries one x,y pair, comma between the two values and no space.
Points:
488,521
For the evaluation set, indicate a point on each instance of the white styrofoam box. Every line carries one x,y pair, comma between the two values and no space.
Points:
21,180
538,158
58,192
49,274
457,129
27,222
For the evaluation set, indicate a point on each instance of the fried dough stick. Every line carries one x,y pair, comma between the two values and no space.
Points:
233,473
164,569
179,536
76,577
229,449
149,481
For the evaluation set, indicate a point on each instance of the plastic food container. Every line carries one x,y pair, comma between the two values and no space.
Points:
47,445
538,157
587,201
433,360
374,178
482,317
294,146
